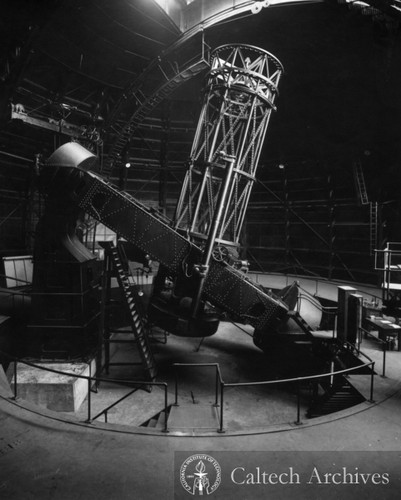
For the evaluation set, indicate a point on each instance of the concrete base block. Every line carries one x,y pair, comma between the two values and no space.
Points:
52,390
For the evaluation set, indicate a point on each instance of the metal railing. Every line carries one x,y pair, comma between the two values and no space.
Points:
94,381
317,282
380,341
325,310
220,385
312,300
216,366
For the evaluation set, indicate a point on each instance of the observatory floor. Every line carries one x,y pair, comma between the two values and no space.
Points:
239,361
42,455
247,409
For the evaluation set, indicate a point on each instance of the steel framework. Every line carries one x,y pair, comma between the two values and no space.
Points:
238,101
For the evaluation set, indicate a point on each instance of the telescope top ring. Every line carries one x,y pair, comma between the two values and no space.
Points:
250,48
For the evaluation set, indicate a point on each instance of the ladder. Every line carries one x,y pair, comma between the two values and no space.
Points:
373,227
132,302
360,183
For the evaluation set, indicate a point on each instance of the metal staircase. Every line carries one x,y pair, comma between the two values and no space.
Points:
336,397
307,329
133,305
159,420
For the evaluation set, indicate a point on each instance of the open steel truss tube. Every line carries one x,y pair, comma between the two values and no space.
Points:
239,98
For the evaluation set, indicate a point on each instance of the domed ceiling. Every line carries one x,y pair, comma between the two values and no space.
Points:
93,70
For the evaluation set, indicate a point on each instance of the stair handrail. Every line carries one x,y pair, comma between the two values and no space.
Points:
353,347
91,380
117,256
219,379
320,307
382,342
297,380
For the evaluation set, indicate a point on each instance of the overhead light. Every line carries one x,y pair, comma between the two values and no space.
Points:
128,164
281,166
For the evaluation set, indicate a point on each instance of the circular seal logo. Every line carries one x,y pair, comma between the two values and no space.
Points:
200,474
